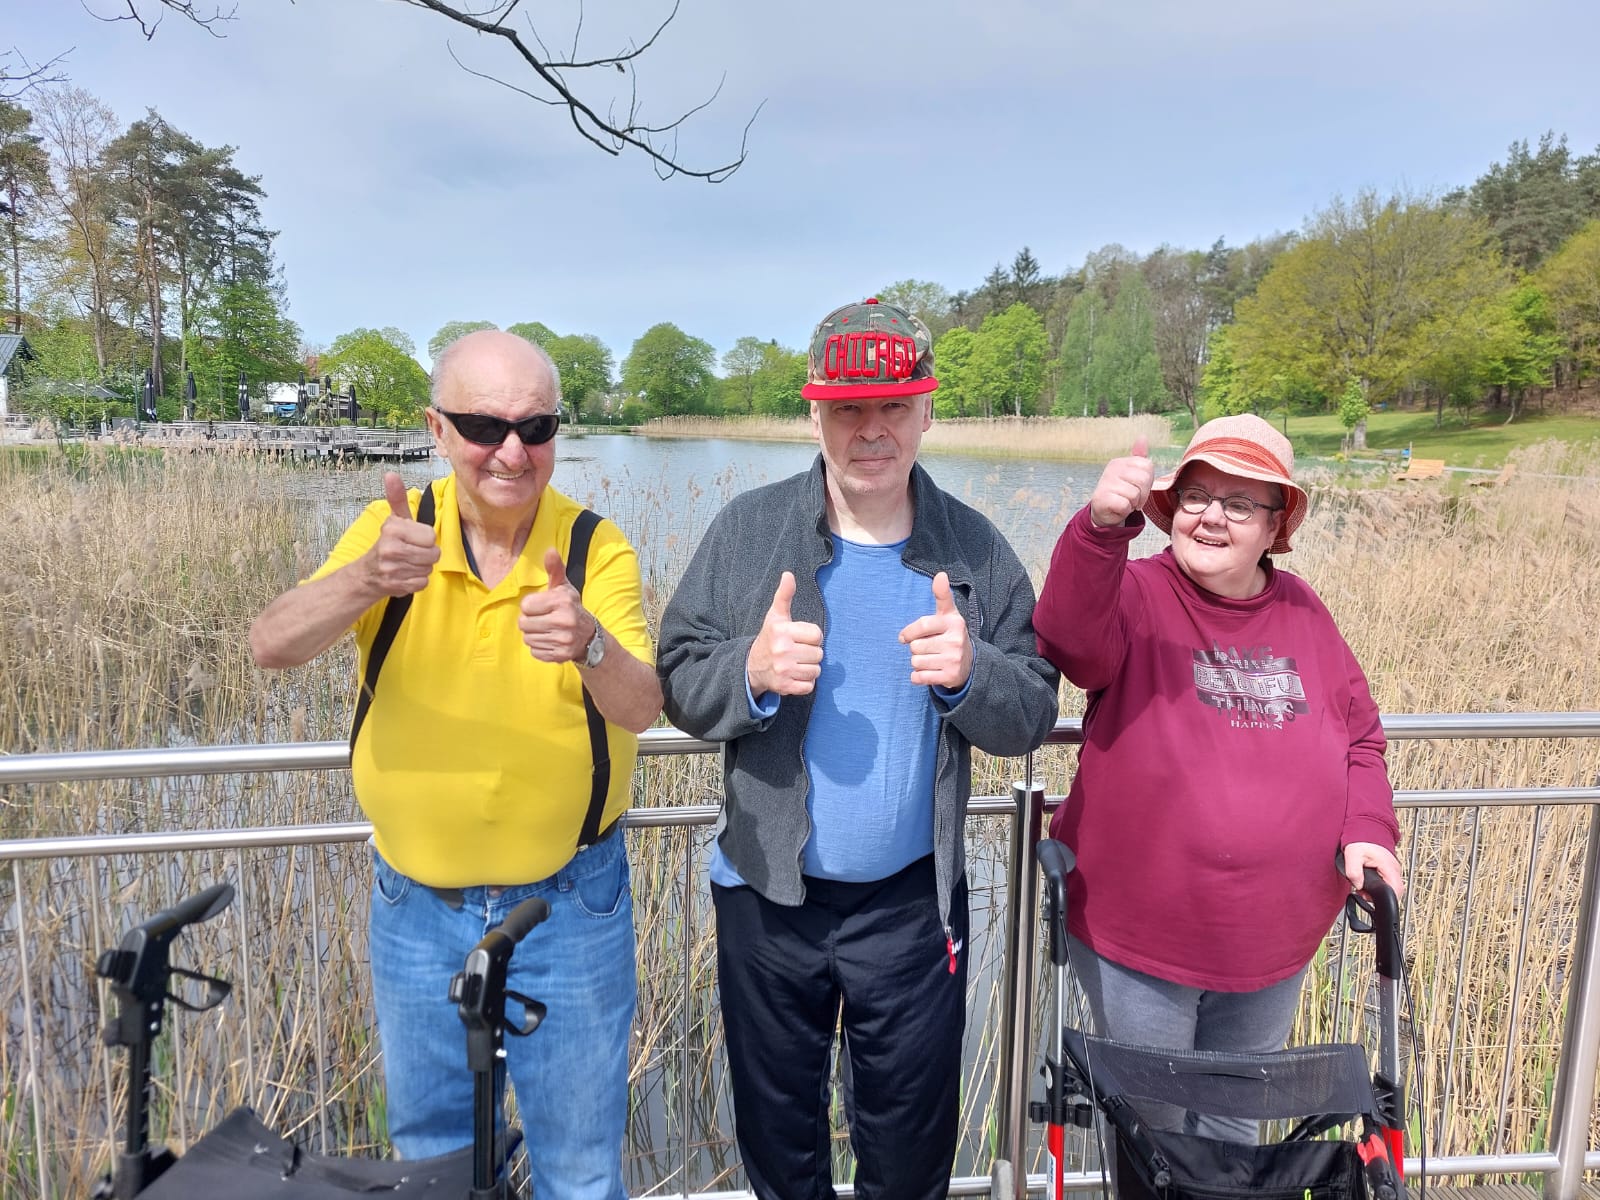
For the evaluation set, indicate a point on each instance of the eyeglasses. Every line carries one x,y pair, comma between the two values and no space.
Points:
491,431
1237,509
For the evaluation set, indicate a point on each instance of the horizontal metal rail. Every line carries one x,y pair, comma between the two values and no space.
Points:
333,756
1569,1157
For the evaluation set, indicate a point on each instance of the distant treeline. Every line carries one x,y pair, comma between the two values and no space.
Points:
139,248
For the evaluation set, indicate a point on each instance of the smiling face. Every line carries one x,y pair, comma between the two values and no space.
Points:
869,447
1220,555
502,375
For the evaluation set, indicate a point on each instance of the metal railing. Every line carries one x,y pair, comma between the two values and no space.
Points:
1569,1120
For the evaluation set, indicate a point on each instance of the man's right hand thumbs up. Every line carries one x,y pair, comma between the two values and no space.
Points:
403,557
786,657
1124,486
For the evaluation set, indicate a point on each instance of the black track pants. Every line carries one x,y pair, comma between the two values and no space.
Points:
873,955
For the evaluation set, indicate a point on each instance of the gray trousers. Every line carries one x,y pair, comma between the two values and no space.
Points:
1129,1006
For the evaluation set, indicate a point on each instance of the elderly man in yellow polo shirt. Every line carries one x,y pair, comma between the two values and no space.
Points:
494,737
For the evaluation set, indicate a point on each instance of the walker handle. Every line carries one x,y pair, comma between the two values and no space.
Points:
524,918
1056,861
1377,900
139,964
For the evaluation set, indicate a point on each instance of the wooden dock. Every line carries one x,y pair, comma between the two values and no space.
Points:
304,443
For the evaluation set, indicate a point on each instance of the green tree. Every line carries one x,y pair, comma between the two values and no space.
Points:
669,370
66,380
89,264
778,382
24,179
740,366
144,163
1571,280
926,301
952,363
241,326
536,332
1372,291
1008,361
1125,350
451,330
1183,321
388,380
1524,354
1222,392
1353,413
1536,199
1080,388
585,365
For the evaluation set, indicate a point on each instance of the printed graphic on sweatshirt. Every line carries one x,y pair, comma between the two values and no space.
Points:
1252,688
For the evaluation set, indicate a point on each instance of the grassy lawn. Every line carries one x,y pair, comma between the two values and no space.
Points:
1484,441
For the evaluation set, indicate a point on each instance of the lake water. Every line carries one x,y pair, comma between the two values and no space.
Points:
662,492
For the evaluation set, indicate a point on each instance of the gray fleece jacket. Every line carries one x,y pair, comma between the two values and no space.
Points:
1009,706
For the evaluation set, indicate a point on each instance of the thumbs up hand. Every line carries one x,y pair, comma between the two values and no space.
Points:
401,560
1124,486
555,626
941,648
786,656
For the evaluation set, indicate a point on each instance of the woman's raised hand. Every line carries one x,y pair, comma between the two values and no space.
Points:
1124,485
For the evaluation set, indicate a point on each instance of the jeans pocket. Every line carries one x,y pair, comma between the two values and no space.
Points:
392,886
602,893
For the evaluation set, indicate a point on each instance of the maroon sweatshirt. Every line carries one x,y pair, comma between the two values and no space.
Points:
1231,748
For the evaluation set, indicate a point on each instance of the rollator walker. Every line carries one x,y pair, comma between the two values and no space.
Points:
242,1159
1320,1088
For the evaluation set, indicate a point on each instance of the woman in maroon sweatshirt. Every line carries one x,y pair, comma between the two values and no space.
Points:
1231,787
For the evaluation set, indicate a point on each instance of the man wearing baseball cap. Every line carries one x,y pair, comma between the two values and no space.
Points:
850,634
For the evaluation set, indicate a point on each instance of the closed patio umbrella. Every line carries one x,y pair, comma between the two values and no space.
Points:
355,410
189,394
244,397
147,398
300,400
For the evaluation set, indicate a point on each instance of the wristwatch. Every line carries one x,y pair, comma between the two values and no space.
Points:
597,648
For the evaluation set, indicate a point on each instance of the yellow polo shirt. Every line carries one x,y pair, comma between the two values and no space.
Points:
474,764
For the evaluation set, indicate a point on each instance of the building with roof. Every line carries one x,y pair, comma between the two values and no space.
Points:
14,351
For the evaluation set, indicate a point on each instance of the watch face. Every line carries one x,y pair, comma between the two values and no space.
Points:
596,650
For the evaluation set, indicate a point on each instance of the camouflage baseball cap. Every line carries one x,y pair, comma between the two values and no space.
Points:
869,349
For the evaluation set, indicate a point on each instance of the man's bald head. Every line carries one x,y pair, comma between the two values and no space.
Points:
494,363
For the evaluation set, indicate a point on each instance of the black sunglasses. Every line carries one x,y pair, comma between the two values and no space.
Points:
491,431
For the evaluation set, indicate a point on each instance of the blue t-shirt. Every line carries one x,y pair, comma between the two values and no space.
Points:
872,741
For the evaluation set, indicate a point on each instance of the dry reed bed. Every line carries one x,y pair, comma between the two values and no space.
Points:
126,586
1068,439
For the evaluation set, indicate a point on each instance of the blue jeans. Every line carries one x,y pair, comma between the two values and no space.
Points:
570,1074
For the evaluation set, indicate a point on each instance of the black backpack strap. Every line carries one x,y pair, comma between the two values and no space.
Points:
393,613
599,746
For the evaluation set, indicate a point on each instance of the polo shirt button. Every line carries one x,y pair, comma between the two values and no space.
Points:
483,633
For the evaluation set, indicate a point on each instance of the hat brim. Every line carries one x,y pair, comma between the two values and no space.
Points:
1160,506
865,391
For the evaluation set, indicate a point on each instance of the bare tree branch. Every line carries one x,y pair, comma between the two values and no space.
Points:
148,25
612,133
17,77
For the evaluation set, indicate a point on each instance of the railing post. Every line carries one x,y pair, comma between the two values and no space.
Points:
1008,1178
1580,1035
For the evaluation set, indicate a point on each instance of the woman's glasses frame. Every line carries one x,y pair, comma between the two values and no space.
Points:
1238,509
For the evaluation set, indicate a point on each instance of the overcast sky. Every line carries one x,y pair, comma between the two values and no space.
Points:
923,140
